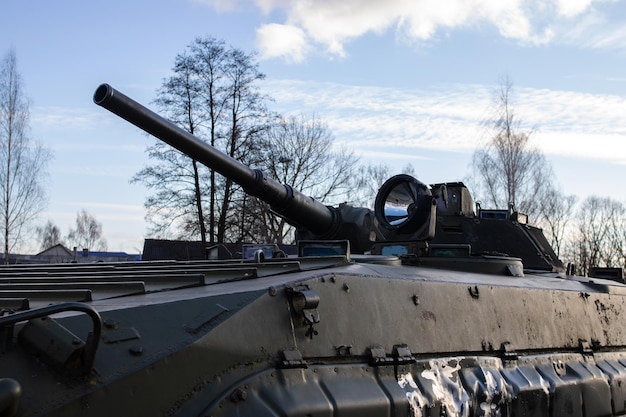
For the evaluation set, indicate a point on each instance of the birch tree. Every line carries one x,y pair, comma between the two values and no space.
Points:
509,170
48,235
23,161
555,212
87,234
599,235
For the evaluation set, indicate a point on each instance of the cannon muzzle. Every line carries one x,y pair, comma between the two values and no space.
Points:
298,209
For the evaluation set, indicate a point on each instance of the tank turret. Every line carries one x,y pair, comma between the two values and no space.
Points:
410,201
407,213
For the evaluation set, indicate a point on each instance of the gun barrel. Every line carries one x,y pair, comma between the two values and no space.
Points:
297,208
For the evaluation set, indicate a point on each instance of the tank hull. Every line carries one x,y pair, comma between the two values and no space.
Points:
381,340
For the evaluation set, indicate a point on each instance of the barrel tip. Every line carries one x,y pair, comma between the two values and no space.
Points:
102,93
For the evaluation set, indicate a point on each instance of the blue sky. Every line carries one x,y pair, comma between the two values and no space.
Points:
398,81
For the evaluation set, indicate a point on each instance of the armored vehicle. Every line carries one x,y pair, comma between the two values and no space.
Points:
423,306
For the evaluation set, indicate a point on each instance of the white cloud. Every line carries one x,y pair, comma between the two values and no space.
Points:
594,30
571,8
331,24
373,120
63,117
281,41
611,38
220,5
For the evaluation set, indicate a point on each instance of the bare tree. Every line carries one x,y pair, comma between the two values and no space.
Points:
555,212
172,205
213,94
87,234
49,235
508,170
366,182
367,179
299,152
176,179
246,116
598,239
23,161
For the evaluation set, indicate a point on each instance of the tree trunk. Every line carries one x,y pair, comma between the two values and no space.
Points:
221,226
7,196
196,179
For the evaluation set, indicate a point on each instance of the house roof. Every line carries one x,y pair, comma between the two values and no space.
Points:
56,250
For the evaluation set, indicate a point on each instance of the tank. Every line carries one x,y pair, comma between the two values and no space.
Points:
426,305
